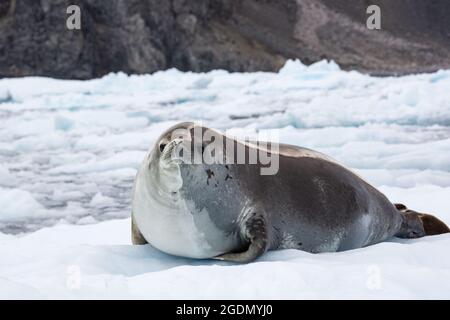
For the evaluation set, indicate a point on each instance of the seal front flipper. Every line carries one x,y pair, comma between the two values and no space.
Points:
136,236
255,233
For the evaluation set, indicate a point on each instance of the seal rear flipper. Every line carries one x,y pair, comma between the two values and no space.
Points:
256,234
433,225
136,236
416,224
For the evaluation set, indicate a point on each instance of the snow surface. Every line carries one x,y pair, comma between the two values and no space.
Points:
69,151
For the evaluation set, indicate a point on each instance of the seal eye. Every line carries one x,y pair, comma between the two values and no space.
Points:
162,146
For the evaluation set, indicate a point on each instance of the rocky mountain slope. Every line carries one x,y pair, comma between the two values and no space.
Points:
144,36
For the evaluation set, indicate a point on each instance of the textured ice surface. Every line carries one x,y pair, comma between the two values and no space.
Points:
96,261
69,151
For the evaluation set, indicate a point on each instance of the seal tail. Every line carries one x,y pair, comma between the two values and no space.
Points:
416,224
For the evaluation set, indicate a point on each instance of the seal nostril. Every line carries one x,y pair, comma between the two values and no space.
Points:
162,146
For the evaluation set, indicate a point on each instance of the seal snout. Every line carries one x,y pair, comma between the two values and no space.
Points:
172,153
